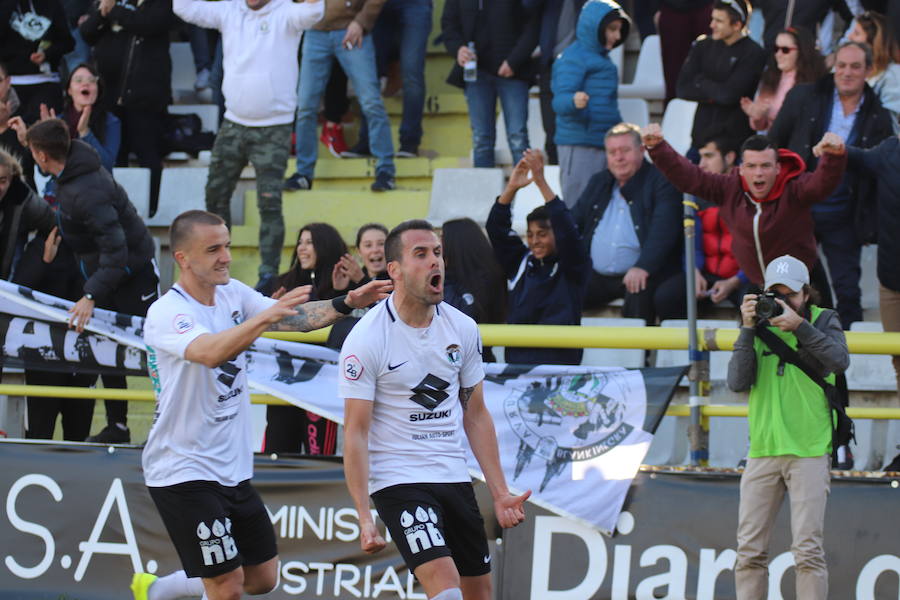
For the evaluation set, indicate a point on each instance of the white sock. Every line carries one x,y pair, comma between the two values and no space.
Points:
449,594
175,585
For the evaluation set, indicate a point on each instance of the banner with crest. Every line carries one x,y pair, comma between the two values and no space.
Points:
575,436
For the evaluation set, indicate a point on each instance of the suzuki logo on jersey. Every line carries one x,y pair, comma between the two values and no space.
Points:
216,542
420,530
228,372
430,392
429,416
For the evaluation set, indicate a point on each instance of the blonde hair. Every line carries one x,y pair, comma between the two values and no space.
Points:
9,160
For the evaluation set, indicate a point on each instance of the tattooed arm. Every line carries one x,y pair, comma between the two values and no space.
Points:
315,315
464,395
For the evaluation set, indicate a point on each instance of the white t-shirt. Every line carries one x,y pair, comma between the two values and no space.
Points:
414,377
201,430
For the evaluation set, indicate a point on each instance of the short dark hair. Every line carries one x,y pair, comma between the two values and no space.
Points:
867,50
393,245
737,10
758,143
539,214
367,227
722,143
50,136
181,227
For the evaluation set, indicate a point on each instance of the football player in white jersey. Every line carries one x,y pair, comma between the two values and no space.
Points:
198,459
412,382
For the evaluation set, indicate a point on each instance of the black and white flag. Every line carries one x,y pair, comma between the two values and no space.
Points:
576,436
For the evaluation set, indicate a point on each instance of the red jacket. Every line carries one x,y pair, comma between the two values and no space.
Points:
716,240
762,231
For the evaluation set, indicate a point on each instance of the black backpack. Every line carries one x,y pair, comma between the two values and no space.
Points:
184,133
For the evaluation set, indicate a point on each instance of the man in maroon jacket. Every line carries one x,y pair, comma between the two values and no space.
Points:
766,202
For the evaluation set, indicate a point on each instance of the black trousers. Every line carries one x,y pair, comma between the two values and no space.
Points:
548,117
142,133
647,304
77,413
133,297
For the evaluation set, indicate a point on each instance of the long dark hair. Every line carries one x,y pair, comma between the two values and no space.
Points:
97,121
470,265
810,64
880,36
329,247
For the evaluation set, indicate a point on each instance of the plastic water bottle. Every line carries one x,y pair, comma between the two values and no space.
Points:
470,70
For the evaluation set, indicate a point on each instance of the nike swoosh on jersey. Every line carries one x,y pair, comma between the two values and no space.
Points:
147,297
397,366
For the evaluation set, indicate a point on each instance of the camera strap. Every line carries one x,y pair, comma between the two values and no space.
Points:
780,348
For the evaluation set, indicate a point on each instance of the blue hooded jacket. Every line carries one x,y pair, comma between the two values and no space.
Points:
585,66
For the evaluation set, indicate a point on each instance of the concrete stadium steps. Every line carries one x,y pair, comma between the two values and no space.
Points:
356,174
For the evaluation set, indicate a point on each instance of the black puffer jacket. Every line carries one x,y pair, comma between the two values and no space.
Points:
802,122
21,211
131,47
99,223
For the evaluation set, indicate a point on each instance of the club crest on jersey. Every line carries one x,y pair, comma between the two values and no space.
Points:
236,317
567,419
352,368
183,323
453,353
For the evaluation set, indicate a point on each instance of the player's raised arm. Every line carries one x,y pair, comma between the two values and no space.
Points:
315,315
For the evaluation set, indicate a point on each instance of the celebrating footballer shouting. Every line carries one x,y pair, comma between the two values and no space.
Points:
412,383
198,460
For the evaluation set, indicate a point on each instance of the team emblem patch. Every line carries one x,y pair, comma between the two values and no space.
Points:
352,368
453,353
567,419
183,323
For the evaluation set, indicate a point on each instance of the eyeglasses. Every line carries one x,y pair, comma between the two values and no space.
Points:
80,80
785,49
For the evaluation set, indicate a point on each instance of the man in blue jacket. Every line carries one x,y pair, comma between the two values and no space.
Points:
629,217
548,276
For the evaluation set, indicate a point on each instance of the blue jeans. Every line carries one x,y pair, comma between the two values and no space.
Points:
407,24
481,96
359,64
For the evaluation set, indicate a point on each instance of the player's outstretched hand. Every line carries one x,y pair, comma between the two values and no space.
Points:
370,540
510,510
651,135
831,143
368,294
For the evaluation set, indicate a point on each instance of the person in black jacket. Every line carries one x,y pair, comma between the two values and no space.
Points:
21,212
110,240
881,164
34,36
504,36
131,46
547,277
629,217
720,70
845,104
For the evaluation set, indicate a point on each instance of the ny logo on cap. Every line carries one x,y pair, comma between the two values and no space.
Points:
782,268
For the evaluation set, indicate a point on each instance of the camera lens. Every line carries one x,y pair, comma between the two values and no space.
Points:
766,307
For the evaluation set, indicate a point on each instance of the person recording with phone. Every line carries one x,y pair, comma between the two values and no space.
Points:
789,351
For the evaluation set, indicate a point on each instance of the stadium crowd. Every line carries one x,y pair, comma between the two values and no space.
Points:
819,123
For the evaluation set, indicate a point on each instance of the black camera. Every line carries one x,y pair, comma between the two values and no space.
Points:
766,307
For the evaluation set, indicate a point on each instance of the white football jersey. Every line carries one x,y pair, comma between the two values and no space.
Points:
202,426
413,376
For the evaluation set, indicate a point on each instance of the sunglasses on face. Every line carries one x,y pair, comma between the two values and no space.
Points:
784,49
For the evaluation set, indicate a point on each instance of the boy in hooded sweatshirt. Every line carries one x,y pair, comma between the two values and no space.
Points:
766,203
585,94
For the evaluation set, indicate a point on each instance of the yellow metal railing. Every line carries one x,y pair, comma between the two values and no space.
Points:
643,338
545,336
